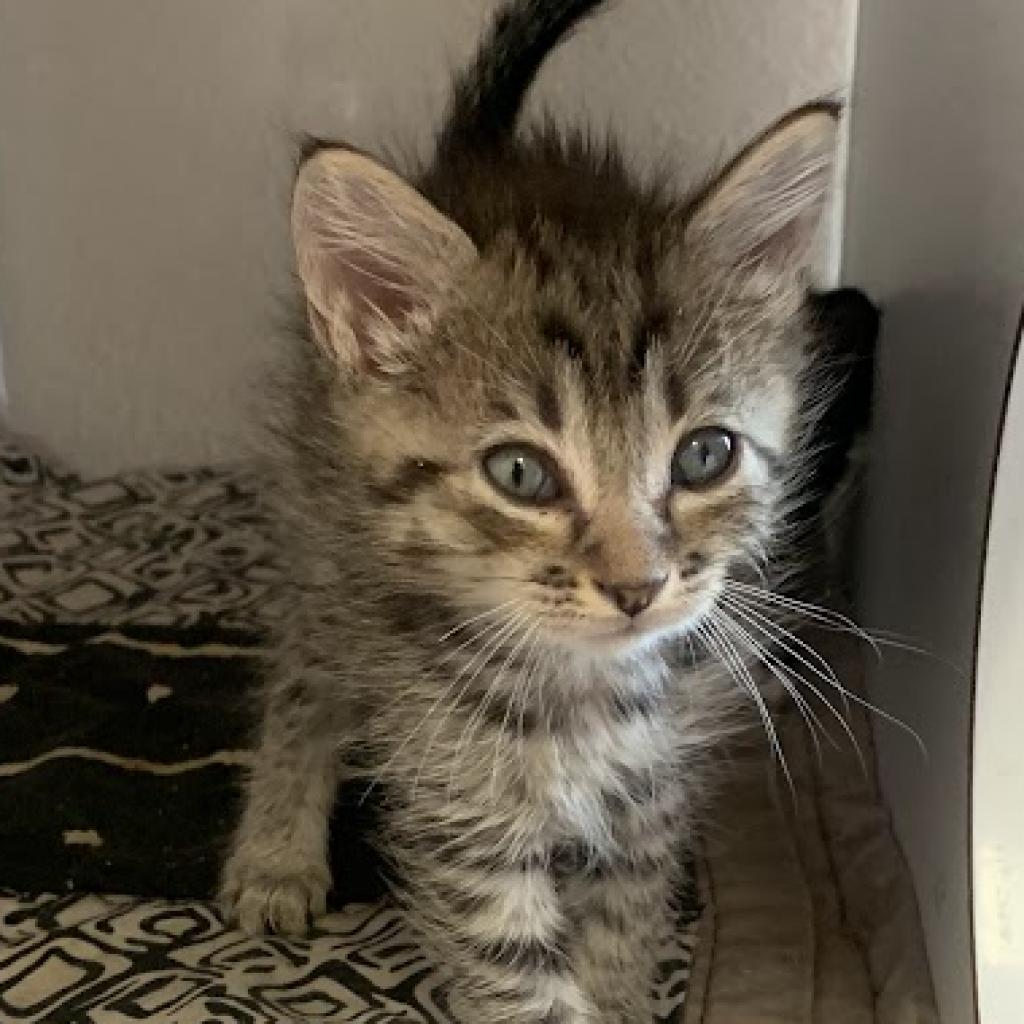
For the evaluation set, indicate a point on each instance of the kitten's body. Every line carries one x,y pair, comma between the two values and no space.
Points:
530,703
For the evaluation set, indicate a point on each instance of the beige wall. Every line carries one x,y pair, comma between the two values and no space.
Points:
144,171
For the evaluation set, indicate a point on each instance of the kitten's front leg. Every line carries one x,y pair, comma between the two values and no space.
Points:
622,916
500,927
277,875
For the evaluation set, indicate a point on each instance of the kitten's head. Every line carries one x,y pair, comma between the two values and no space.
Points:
576,433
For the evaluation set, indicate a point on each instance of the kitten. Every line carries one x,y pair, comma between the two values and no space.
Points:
546,418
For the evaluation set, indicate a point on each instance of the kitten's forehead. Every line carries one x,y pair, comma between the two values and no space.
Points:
611,332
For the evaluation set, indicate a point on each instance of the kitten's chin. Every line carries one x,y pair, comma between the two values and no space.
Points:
624,638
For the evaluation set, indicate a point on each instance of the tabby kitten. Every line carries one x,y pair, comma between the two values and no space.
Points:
545,414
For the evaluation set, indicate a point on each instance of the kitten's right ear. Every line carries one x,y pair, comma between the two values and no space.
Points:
376,260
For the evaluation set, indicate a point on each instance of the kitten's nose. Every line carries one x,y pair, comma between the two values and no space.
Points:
632,598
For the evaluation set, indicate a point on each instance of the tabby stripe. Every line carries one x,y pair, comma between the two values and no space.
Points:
498,710
675,395
548,408
411,478
525,955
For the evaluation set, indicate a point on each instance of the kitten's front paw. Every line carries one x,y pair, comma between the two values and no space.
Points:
262,897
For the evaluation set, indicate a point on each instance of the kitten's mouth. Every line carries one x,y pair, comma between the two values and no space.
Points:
630,627
624,634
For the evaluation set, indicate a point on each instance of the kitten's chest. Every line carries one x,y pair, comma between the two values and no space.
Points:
605,778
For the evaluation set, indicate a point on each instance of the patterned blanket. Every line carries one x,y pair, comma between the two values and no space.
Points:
148,548
130,617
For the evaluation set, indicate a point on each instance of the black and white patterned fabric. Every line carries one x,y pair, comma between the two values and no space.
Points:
130,622
109,959
149,547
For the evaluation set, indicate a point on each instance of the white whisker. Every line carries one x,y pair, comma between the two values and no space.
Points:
473,667
792,645
519,690
830,619
789,681
476,618
529,625
488,631
710,631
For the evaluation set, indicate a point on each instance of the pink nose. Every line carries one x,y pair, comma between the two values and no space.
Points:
632,598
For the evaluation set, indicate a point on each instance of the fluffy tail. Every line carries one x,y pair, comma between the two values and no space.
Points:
488,94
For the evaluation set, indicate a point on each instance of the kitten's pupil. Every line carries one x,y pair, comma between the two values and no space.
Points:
518,473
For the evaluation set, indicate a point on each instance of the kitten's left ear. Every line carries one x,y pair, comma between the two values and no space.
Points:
765,207
377,261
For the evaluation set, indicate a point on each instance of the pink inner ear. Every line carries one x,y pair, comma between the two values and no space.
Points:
376,289
379,295
375,280
782,247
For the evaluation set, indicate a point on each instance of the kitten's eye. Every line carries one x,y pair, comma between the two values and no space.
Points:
523,473
703,457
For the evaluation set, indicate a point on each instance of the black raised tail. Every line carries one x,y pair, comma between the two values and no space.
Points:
488,94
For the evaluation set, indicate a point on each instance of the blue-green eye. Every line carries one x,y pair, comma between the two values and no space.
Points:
703,457
523,473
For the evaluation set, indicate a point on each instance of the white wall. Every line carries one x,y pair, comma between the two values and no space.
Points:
997,824
144,171
935,229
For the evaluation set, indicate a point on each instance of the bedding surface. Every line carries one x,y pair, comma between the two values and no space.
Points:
131,619
132,612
